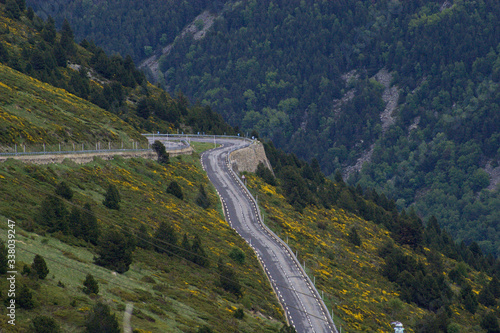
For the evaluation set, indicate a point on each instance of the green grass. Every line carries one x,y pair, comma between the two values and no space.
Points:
349,276
33,112
183,296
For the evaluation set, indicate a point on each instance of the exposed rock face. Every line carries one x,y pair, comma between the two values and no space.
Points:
247,159
89,157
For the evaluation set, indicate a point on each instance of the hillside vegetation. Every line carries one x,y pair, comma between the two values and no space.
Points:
169,292
90,82
373,264
304,74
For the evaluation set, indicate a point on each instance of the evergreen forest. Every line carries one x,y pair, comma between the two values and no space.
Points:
402,96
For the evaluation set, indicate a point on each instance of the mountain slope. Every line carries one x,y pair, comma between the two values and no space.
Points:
169,293
304,73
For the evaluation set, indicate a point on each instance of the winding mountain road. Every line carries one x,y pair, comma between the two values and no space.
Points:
303,306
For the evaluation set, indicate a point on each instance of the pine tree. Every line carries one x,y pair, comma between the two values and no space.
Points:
143,239
112,198
100,320
12,9
199,254
354,237
89,228
165,239
202,198
114,252
228,279
67,38
53,215
3,258
186,247
160,150
75,221
49,31
40,267
90,285
25,298
175,189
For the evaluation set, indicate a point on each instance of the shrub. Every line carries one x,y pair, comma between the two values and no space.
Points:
45,324
354,237
237,255
63,190
239,314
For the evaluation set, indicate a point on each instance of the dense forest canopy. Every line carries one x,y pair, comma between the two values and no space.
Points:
303,73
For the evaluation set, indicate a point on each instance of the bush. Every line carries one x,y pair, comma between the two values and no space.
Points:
45,324
228,280
63,190
174,189
90,285
354,237
237,255
239,314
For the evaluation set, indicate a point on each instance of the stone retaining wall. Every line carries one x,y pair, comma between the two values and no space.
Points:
85,158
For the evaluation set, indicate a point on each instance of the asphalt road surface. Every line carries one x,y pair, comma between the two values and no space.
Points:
302,304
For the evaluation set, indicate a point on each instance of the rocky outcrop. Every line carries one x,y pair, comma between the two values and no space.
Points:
248,158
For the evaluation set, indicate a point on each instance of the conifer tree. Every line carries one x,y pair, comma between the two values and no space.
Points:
100,320
3,258
67,38
165,239
202,199
53,215
114,252
161,152
354,237
175,189
90,285
198,253
143,239
89,229
12,9
25,298
49,31
39,266
112,198
228,279
186,247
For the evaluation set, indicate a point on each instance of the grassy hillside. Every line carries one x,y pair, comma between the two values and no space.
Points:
33,112
350,276
169,293
304,74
